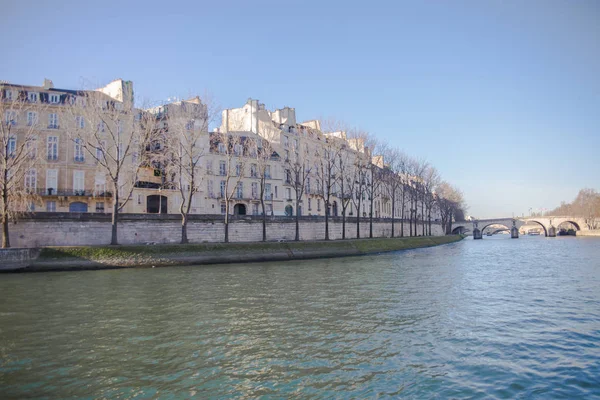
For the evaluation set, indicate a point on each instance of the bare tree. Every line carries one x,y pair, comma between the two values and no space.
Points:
358,142
19,154
185,138
233,151
346,181
450,201
395,161
431,179
327,177
115,135
262,154
297,174
374,177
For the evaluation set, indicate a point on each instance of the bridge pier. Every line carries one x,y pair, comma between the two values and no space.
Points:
552,231
477,234
514,233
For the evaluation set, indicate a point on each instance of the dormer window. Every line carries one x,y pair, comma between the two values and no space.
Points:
32,97
54,98
8,95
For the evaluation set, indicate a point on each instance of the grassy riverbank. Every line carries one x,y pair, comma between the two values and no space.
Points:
100,257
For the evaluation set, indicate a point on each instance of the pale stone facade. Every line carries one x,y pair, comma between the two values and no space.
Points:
69,180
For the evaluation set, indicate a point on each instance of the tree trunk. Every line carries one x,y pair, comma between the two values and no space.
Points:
371,217
402,216
343,223
297,237
5,238
327,220
226,221
184,221
358,221
393,214
115,217
264,220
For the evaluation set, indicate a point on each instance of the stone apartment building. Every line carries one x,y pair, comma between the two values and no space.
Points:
69,180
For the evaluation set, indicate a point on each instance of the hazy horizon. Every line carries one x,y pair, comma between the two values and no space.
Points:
502,97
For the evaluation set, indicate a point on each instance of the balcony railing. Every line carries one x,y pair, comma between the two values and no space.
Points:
71,192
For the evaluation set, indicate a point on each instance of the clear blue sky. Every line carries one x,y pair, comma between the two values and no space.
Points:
502,96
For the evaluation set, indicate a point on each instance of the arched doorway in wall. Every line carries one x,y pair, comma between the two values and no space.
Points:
239,209
156,204
289,211
78,206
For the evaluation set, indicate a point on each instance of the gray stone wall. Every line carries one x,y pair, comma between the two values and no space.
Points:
71,229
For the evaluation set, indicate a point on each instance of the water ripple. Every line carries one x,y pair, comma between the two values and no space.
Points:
487,319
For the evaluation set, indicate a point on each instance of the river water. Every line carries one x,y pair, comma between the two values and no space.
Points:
476,319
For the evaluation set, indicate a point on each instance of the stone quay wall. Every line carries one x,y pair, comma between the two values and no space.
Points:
84,229
595,232
16,258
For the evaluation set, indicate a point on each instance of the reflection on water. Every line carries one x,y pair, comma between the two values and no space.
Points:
490,318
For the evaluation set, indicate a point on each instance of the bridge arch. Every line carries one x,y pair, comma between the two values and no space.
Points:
539,223
575,224
460,230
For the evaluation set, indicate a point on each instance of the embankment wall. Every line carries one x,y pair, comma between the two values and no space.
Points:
83,229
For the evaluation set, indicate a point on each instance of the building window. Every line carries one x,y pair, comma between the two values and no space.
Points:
32,97
209,168
30,180
51,181
80,122
268,194
79,183
288,193
309,204
238,169
32,147
268,172
119,126
223,208
99,184
276,196
100,150
254,190
253,170
269,209
51,206
222,189
8,95
222,150
11,147
318,204
10,117
222,168
239,190
31,118
255,209
54,98
237,149
99,206
79,156
209,189
52,121
287,155
101,126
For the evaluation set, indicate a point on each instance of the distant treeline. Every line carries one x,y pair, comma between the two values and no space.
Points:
586,205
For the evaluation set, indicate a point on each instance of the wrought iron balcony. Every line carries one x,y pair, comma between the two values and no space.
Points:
46,192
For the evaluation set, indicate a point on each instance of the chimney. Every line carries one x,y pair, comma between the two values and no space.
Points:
48,84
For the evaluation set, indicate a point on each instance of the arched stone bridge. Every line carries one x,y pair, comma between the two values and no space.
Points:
544,222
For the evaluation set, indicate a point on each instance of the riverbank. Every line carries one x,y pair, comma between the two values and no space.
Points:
137,256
